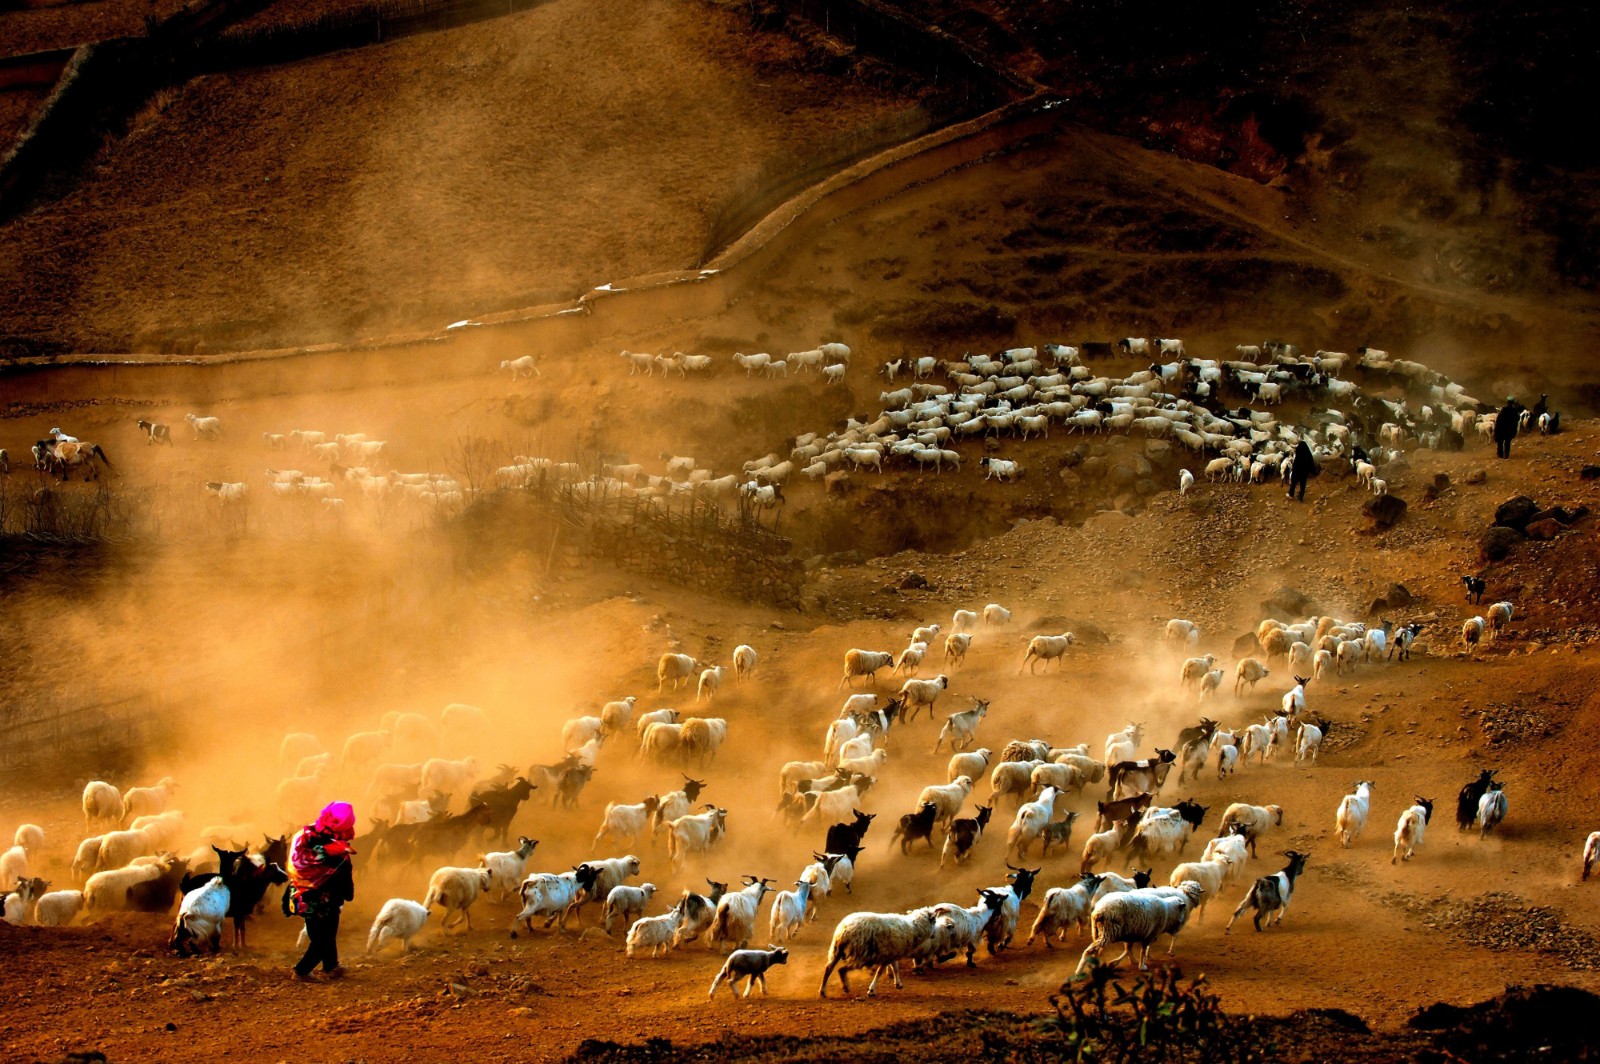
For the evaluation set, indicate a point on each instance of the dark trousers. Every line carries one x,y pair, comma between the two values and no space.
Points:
1503,448
1299,485
323,930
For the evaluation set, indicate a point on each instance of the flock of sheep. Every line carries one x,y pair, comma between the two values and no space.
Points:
438,807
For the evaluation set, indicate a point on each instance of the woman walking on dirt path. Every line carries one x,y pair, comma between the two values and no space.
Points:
320,882
1301,469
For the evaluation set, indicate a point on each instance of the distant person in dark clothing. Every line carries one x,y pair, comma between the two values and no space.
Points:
1505,426
1302,467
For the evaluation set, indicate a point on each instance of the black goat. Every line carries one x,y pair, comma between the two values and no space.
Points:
1467,803
842,838
157,895
964,835
1476,586
503,802
913,826
1058,833
246,888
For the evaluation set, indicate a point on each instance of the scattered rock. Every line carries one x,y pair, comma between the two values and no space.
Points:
1477,476
1088,633
1093,468
1554,513
1108,520
1337,467
1383,511
1497,542
1287,603
1549,528
914,582
1122,474
1398,596
1441,481
462,991
1589,472
1516,512
1158,451
1245,645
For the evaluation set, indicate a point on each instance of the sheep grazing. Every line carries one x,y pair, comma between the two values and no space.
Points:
625,904
962,728
102,806
750,965
1254,821
866,663
679,668
880,941
1497,618
400,919
1409,832
1351,817
655,933
1046,648
1139,918
735,920
1591,854
454,890
1064,907
1491,809
58,908
996,615
1269,896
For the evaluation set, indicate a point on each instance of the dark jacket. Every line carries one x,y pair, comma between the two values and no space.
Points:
1303,466
1505,422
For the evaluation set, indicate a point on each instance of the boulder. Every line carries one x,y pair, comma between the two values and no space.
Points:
1288,604
1497,542
1337,467
1109,520
1383,511
1158,451
1397,597
1085,632
1071,480
1477,476
1441,481
1515,513
1147,487
1122,474
1589,472
1093,467
1246,645
1549,528
1555,513
914,582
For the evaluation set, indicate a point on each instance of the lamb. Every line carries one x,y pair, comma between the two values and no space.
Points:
879,941
744,662
102,806
864,663
521,367
697,834
750,965
948,798
996,615
870,765
1270,895
1412,827
735,920
710,680
400,918
962,728
679,668
625,904
454,890
508,867
910,659
1139,918
917,694
1064,907
1210,683
1491,809
1046,648
1497,618
1185,482
1351,817
58,908
200,917
655,933
1255,820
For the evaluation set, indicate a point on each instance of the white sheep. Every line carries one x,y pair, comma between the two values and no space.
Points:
297,746
910,659
1185,482
679,668
996,615
710,680
1210,875
735,920
1308,743
960,729
59,908
614,716
1064,907
880,941
119,848
973,764
963,621
698,833
750,965
1030,822
625,904
1046,648
956,645
656,716
1254,821
1139,918
655,933
919,694
744,662
1472,632
1491,809
1181,633
400,918
1351,817
789,911
443,776
1195,668
870,765
1248,671
548,895
205,428
454,890
1496,619
102,806
1591,853
1210,683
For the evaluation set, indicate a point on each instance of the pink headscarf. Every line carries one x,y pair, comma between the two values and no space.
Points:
319,850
